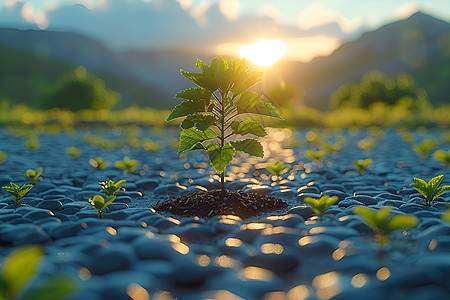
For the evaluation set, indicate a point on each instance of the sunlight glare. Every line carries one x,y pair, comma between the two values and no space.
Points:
264,52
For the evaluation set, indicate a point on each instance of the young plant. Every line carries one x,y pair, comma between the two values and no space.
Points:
127,165
319,206
99,203
277,169
110,188
18,270
214,112
2,156
33,176
443,157
98,163
430,190
316,156
425,147
446,215
383,223
33,144
74,152
362,164
18,192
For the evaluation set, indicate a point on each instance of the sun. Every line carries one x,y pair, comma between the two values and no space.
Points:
264,52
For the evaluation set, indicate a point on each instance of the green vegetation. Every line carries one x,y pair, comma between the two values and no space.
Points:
430,190
18,192
99,203
319,206
3,156
33,176
376,87
424,148
74,152
277,169
19,269
316,156
446,216
33,144
98,163
362,164
214,109
443,157
382,223
127,165
110,188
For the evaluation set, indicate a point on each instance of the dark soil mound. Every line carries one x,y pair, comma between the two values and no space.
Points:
209,203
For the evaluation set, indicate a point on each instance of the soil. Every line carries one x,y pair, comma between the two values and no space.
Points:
209,203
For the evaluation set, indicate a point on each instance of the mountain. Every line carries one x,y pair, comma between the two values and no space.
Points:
418,45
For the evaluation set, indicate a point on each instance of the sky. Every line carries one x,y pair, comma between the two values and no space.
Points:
308,27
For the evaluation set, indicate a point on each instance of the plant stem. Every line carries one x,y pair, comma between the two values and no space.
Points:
222,142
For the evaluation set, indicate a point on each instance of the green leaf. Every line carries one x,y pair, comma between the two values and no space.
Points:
55,288
442,190
420,186
109,199
401,222
195,94
252,103
319,206
187,108
20,266
435,182
220,157
368,215
276,168
250,146
202,122
248,126
192,136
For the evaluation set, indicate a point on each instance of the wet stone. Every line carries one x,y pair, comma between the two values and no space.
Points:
302,196
304,211
23,234
109,259
65,230
364,199
147,183
278,263
339,194
349,202
53,205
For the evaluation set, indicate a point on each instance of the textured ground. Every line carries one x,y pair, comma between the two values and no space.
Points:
284,254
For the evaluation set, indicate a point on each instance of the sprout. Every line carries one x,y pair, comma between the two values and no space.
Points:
425,147
2,156
18,192
443,157
316,156
277,168
382,223
99,203
98,163
33,176
74,152
362,164
319,206
110,188
127,165
430,190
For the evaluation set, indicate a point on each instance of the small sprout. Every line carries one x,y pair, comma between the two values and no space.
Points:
33,144
98,163
382,223
316,156
424,148
366,144
19,269
34,176
2,156
443,157
430,190
319,206
74,152
151,146
18,192
277,168
110,188
127,165
99,203
362,164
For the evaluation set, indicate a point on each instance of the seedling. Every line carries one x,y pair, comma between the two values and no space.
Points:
319,206
98,163
446,215
99,203
2,156
33,176
33,144
316,156
382,223
443,157
74,152
151,146
20,267
110,188
18,192
424,148
430,190
362,164
367,143
277,169
127,165
213,112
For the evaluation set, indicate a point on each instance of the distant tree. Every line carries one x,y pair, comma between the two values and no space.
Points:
80,90
376,86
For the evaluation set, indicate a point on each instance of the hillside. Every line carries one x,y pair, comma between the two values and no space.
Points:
419,45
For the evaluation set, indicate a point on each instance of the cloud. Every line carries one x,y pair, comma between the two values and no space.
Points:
406,10
269,11
317,14
229,8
